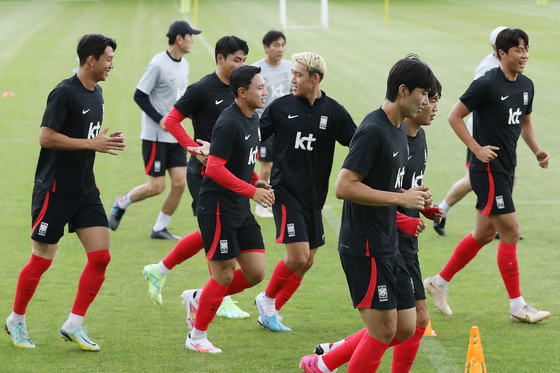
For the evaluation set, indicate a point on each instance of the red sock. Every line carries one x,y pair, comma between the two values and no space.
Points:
185,248
91,280
279,278
367,356
343,353
405,352
287,291
29,278
507,263
239,283
211,298
465,251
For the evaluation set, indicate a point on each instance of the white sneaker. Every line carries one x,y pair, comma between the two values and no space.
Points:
529,315
438,295
191,304
201,345
262,212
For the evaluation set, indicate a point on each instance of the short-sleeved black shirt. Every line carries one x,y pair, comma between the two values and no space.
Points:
76,112
236,139
379,153
499,106
203,102
304,142
413,177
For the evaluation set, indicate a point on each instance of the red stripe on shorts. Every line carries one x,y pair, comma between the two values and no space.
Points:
212,250
491,193
42,213
152,157
366,302
280,238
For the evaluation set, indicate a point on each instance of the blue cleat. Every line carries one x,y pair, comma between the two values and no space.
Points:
268,315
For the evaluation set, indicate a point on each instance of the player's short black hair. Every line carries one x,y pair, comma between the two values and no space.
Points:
241,77
272,36
229,45
436,89
93,45
509,38
412,72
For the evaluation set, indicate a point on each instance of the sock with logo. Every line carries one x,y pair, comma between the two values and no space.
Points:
405,353
91,280
509,269
29,278
124,202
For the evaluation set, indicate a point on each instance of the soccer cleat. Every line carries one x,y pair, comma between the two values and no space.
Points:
323,348
438,295
79,334
164,235
19,335
201,345
529,315
268,315
229,309
115,215
440,228
191,304
262,212
497,236
155,282
308,364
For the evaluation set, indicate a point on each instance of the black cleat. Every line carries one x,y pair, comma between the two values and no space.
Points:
440,228
115,215
164,235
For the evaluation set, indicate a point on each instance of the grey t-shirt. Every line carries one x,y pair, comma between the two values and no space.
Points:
277,78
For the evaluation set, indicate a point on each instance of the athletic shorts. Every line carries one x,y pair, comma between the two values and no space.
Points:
193,183
493,191
266,149
413,267
469,157
378,283
226,237
161,156
298,225
50,212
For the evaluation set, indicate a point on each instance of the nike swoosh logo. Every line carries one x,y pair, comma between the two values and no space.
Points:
85,111
395,154
292,116
246,137
504,97
219,102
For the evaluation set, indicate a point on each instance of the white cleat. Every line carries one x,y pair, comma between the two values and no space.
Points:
529,315
438,295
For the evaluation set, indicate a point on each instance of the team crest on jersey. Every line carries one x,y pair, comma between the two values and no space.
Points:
525,98
43,229
291,229
323,122
382,293
223,247
500,202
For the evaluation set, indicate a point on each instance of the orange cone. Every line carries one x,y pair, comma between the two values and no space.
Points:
475,357
429,331
8,94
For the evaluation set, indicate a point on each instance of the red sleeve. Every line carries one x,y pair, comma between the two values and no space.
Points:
173,125
255,178
407,224
217,171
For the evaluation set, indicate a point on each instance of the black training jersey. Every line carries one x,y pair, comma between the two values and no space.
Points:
236,139
76,112
378,152
499,106
413,177
304,141
203,102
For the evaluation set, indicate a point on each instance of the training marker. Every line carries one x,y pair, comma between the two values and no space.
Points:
475,357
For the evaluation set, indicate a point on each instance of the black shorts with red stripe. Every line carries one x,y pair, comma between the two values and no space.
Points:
298,225
50,212
161,156
378,283
493,191
226,237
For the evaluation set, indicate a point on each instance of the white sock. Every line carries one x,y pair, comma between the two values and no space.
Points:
16,318
124,202
440,282
198,334
163,270
322,367
516,304
445,207
74,320
161,222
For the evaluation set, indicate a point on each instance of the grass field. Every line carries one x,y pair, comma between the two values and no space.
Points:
38,40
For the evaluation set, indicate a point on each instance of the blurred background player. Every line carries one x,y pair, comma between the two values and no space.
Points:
277,73
230,232
65,191
203,102
501,102
463,186
164,81
306,126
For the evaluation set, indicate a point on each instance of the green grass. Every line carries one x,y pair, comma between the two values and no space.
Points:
38,42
